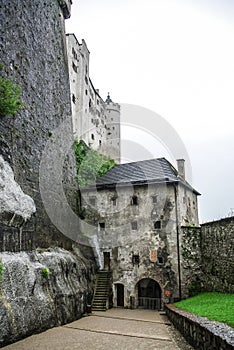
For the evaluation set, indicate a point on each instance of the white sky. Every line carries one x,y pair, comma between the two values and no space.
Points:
176,58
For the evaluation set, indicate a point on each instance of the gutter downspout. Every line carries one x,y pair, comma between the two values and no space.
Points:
178,240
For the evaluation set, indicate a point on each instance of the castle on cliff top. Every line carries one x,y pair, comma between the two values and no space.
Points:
95,121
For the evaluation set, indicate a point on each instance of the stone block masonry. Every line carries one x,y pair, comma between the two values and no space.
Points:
201,333
34,55
208,256
217,248
33,52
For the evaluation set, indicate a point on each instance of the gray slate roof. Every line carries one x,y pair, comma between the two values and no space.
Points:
139,173
152,170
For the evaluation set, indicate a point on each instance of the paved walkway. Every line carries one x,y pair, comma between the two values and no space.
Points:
115,329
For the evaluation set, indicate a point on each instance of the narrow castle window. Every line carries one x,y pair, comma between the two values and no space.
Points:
114,201
100,142
74,53
73,98
102,226
134,200
135,259
74,67
92,136
154,199
134,225
157,225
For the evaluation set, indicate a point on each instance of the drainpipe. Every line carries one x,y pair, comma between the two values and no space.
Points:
178,240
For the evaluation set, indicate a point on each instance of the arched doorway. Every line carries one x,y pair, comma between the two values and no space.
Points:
120,294
149,294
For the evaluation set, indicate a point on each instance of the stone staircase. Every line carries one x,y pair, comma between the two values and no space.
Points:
102,290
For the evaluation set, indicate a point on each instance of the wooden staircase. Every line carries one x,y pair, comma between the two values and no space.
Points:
102,291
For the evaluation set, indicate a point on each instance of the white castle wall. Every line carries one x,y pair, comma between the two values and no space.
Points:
94,121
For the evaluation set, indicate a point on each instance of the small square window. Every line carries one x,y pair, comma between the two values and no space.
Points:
134,225
157,225
135,259
102,226
160,259
134,200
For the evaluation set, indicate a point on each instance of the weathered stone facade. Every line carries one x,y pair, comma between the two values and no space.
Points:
33,51
217,253
208,256
95,122
200,332
137,227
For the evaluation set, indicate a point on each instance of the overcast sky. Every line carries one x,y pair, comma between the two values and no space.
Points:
176,58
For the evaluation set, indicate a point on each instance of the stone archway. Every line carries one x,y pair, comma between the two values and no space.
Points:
149,294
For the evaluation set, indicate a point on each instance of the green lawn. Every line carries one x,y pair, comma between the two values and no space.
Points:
214,306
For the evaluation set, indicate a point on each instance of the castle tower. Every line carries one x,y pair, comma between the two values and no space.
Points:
95,121
113,129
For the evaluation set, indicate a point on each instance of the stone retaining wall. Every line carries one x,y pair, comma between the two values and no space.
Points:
201,333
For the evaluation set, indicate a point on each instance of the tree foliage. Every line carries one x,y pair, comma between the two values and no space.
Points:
10,101
90,164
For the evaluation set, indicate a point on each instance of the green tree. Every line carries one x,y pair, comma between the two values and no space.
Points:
90,164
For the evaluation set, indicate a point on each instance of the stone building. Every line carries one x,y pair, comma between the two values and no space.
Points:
134,215
95,121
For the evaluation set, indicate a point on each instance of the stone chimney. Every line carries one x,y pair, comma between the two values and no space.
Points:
181,168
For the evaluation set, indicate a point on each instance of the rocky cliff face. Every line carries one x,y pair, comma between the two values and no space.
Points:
40,290
33,52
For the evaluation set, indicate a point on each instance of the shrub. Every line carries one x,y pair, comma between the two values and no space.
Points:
1,271
10,101
45,272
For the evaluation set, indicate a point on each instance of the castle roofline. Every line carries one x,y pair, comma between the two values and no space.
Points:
152,171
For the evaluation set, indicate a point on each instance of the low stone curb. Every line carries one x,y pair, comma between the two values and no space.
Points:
200,332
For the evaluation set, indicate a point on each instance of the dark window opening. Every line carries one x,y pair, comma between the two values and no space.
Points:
73,98
86,80
90,103
92,136
114,201
92,201
134,225
154,199
74,53
135,259
102,226
86,92
160,259
74,67
100,142
134,200
157,225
